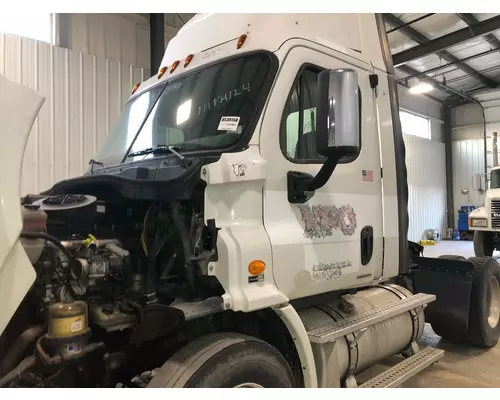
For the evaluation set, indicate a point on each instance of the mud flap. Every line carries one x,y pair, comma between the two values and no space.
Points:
451,282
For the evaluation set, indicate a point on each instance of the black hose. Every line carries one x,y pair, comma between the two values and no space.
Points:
24,365
150,281
187,245
58,244
18,348
49,238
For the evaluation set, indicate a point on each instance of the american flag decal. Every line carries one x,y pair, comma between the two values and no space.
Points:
367,176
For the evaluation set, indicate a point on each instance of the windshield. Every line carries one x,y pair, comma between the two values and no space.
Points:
206,110
495,179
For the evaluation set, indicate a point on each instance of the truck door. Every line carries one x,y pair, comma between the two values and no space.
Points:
335,240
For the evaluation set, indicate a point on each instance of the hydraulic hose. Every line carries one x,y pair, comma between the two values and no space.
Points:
187,245
49,238
58,244
19,347
27,363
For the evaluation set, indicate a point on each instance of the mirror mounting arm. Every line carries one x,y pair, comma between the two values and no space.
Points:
302,186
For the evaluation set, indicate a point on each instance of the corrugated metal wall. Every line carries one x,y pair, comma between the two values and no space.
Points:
123,37
118,37
84,96
468,159
425,161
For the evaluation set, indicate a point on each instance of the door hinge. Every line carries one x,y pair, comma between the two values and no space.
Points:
381,173
373,80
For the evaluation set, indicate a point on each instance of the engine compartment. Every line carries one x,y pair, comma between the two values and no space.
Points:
114,279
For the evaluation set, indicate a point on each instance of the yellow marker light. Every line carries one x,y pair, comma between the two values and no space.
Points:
162,72
256,267
174,66
188,60
241,41
136,86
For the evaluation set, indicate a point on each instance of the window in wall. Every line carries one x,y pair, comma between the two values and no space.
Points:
413,124
37,26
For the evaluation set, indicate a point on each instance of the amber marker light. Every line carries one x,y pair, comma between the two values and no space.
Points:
256,267
136,86
174,66
188,60
241,41
162,72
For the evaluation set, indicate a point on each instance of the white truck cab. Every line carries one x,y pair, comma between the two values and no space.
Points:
485,220
244,225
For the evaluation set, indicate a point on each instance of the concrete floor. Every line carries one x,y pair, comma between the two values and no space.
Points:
461,367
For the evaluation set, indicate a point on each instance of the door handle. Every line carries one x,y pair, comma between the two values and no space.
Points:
366,244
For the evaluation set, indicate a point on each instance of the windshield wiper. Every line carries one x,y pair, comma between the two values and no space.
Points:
161,149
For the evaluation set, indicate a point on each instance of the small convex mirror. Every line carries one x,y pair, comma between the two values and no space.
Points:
338,113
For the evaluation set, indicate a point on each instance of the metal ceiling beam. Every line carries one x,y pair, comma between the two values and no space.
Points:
421,39
435,83
397,28
473,57
451,39
470,20
455,100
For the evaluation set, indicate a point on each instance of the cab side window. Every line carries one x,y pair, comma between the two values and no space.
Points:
298,124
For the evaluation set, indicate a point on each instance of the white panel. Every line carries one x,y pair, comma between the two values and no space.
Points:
84,97
468,159
425,161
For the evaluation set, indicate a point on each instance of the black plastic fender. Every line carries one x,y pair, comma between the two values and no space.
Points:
451,282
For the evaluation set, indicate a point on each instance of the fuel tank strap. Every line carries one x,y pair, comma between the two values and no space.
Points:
413,312
351,338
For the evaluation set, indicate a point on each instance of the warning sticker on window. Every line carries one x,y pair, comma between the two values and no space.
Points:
228,124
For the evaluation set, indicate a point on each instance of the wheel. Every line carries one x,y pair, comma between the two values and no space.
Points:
225,360
453,258
483,244
484,312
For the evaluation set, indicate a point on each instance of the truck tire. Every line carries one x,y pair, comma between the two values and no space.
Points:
225,360
484,311
483,244
452,258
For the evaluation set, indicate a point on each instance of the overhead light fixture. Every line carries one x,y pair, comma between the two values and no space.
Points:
420,88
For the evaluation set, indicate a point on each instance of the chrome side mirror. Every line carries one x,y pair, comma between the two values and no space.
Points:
338,125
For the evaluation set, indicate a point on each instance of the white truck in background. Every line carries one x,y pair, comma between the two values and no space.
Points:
245,225
485,220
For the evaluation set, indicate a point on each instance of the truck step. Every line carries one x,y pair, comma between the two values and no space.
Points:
332,332
406,369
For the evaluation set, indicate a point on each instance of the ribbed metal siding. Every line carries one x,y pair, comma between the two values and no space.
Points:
425,161
84,96
468,159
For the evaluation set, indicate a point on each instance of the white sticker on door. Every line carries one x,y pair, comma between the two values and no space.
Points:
228,124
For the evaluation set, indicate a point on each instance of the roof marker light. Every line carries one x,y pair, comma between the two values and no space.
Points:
134,89
162,72
174,66
241,41
188,60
